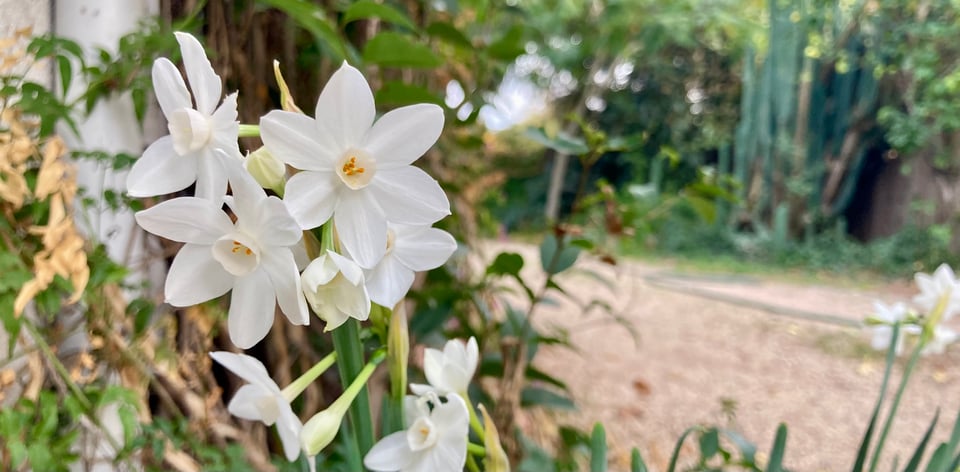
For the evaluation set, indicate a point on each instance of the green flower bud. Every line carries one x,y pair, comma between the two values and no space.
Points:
267,170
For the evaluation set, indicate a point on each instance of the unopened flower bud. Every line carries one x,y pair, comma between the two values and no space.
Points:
266,169
320,430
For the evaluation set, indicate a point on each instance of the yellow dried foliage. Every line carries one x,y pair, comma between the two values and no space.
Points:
63,251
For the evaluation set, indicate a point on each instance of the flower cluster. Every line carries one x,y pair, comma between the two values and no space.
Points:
329,215
937,302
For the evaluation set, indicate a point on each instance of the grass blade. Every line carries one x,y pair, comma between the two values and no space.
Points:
868,434
914,463
636,461
598,449
779,448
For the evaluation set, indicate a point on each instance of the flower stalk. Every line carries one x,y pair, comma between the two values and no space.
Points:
292,391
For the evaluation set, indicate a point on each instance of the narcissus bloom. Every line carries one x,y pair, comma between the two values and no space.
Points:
334,287
450,370
435,438
253,257
197,128
354,170
261,400
888,315
409,249
941,287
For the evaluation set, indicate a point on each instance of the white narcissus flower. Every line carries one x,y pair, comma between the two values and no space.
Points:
933,288
354,170
435,439
187,154
253,257
942,337
883,333
450,370
334,287
409,249
261,400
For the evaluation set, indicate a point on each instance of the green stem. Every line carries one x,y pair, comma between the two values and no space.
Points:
249,131
292,391
349,348
358,384
476,449
398,353
474,420
472,464
896,403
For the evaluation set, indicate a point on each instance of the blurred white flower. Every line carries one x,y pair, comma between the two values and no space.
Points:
187,154
450,370
942,337
409,249
334,287
253,257
261,400
435,439
941,286
887,316
354,170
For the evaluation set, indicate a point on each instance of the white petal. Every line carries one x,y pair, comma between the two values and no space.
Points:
311,197
473,356
186,219
350,270
204,82
455,378
244,402
332,317
247,194
403,135
252,308
389,281
293,138
353,301
421,389
424,249
195,277
319,272
452,418
211,176
274,224
389,454
169,88
362,228
226,128
289,427
409,196
248,368
433,368
345,108
160,171
282,269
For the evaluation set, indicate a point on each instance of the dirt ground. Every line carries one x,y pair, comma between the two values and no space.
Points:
771,350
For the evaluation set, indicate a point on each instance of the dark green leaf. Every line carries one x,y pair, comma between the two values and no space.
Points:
65,69
311,17
400,93
448,33
709,443
509,46
917,456
778,451
392,49
636,461
537,396
561,143
368,9
554,262
598,449
506,263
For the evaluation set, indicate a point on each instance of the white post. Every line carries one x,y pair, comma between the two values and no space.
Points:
111,127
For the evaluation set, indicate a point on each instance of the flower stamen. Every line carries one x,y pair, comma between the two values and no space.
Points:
350,168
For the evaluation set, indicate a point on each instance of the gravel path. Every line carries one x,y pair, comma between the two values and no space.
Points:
743,353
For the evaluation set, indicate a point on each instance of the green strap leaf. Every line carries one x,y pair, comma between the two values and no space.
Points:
368,9
598,449
393,49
